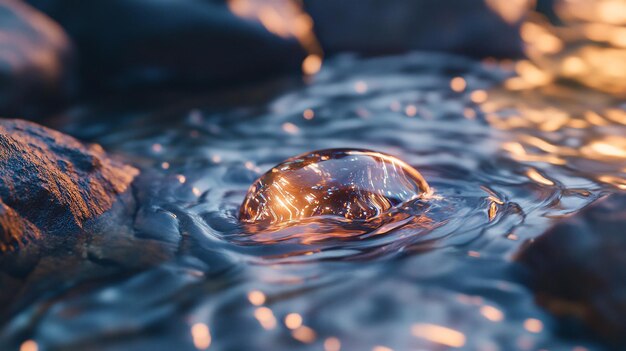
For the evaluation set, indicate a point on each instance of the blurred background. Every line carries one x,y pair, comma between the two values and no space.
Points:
514,111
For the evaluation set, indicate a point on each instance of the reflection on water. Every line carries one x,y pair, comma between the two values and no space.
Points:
552,114
506,147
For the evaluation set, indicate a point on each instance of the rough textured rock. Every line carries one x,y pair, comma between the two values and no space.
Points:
14,230
35,61
50,183
578,268
131,44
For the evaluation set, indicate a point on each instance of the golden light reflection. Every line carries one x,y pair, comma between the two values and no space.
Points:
291,128
537,177
589,48
266,318
308,114
491,313
304,334
533,325
438,334
256,297
29,345
381,348
332,344
201,336
458,84
287,19
511,11
293,320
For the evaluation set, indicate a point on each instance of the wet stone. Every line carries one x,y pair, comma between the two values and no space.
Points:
51,184
354,184
577,268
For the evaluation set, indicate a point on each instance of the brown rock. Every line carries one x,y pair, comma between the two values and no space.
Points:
50,183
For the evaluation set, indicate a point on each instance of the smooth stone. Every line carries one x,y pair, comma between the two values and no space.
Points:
376,27
36,58
140,44
578,268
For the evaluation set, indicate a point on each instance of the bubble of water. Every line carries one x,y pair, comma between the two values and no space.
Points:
350,184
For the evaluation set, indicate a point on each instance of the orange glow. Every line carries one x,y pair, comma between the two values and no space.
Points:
533,325
266,318
291,128
410,110
181,179
458,84
438,334
511,11
293,320
493,211
609,147
491,313
256,297
473,254
201,336
381,348
332,344
304,334
308,114
537,177
312,64
478,96
287,19
29,345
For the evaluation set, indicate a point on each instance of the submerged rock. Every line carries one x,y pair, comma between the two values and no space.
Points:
578,268
50,183
35,60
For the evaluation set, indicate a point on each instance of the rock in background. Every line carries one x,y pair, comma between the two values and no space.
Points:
130,44
35,61
578,268
467,27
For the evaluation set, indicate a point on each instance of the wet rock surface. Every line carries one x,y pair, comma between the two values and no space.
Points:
64,211
577,268
142,43
53,181
35,61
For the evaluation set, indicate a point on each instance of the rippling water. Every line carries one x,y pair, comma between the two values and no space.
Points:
441,278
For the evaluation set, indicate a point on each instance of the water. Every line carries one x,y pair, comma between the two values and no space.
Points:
438,275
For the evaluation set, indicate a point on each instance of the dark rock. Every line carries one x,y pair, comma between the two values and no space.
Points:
126,44
52,184
66,216
383,26
578,268
35,61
